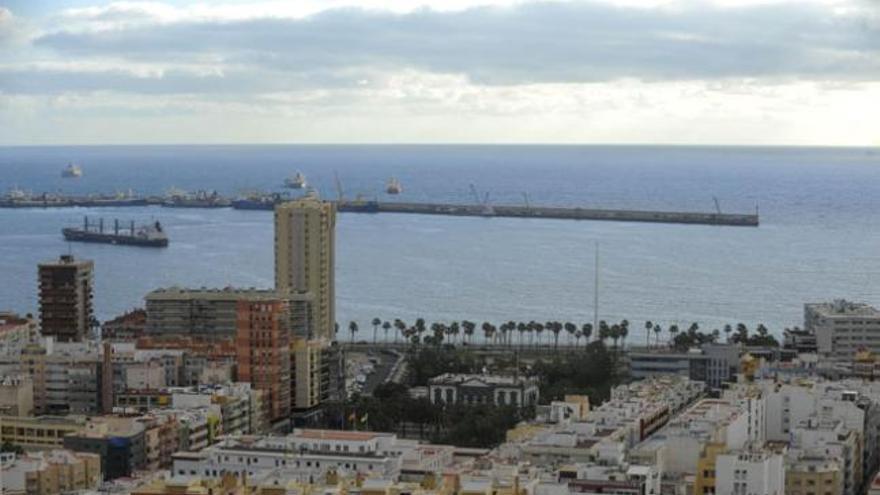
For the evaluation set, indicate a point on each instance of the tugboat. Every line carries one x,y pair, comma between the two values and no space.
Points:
297,181
393,186
152,235
72,171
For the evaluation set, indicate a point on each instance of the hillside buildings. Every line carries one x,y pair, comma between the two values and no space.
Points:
66,311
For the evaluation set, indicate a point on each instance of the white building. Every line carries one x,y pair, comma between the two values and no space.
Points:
842,328
453,388
306,455
750,473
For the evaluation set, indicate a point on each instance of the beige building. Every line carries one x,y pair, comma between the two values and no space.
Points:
16,395
816,475
305,250
51,473
39,432
305,364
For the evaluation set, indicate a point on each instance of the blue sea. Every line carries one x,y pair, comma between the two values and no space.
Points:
819,236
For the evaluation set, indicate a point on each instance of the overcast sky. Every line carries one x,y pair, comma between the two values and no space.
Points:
411,71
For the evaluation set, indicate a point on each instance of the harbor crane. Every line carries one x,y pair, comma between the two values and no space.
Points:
339,193
486,208
717,205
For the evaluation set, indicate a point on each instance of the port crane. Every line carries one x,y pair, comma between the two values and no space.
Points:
486,209
717,204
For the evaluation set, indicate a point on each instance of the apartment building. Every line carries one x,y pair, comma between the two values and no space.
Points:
198,313
713,364
39,432
306,455
263,343
119,441
67,376
16,395
842,328
52,472
750,472
66,311
305,251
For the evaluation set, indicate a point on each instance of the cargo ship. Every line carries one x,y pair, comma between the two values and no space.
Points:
393,186
152,235
259,201
297,181
177,198
72,171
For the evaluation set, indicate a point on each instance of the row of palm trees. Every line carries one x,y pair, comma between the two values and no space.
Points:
527,334
510,333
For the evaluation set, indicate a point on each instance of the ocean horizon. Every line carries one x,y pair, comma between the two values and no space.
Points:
818,239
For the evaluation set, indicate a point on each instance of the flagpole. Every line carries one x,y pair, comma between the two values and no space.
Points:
596,293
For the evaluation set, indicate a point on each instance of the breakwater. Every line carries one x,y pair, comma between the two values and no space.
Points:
450,209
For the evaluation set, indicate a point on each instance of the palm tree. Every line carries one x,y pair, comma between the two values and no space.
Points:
557,327
469,328
386,326
614,333
657,330
376,322
648,328
539,329
577,338
694,328
570,329
487,331
353,328
727,330
673,331
453,330
400,325
587,331
715,335
522,328
624,332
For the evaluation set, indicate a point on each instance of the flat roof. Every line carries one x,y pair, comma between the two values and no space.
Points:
350,436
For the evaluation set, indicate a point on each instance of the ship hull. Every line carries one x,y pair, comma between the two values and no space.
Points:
125,240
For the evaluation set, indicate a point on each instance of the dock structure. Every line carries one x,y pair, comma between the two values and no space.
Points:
451,209
550,212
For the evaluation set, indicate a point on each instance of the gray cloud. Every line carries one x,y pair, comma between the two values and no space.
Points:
542,42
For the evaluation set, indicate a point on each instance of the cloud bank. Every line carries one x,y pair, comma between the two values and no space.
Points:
478,58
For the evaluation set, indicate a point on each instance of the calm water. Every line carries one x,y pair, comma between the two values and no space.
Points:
819,238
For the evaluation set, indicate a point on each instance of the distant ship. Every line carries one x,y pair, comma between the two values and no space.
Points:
393,186
152,235
178,198
72,171
297,181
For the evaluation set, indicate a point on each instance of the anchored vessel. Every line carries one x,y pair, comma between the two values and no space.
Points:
71,171
152,235
297,181
178,198
393,186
